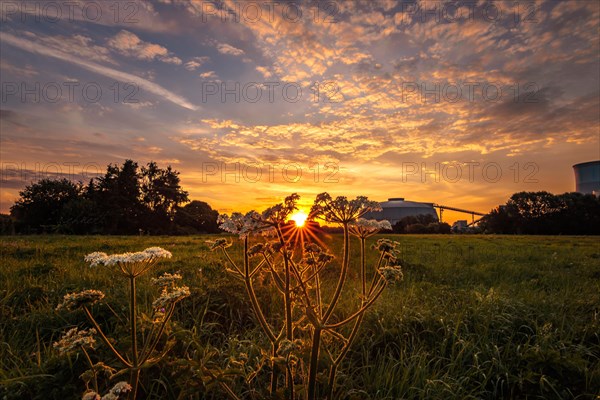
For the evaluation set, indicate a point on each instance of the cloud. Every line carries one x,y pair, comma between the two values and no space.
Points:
225,48
27,70
209,75
195,63
129,44
144,84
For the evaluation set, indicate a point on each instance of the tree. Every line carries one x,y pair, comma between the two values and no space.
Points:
161,194
198,216
40,205
119,198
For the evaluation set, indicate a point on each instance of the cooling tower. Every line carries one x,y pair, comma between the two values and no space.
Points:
587,177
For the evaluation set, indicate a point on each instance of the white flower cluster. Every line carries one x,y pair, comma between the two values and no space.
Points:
120,389
148,255
240,224
96,258
73,301
367,227
170,296
166,279
340,209
74,338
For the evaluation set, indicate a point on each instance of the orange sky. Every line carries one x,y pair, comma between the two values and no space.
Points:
457,106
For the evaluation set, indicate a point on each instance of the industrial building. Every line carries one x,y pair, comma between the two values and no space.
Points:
397,208
587,177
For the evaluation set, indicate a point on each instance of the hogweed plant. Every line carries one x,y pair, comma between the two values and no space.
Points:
296,272
140,355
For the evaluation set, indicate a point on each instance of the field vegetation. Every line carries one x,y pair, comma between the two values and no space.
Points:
474,317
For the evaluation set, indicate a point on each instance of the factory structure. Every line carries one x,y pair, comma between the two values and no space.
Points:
587,177
397,208
587,181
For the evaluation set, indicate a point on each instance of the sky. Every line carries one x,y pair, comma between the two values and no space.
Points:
456,103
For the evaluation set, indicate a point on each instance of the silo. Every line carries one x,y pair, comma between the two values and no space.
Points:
587,177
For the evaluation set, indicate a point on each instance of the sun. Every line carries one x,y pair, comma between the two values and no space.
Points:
299,218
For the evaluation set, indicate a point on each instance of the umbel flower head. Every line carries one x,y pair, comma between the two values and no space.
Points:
218,244
73,301
240,224
340,209
391,273
253,222
280,213
130,264
170,295
363,228
73,339
119,391
166,280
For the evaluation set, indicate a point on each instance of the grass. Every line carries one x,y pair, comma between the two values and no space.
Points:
475,317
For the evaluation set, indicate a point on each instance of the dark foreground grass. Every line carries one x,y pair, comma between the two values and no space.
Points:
476,317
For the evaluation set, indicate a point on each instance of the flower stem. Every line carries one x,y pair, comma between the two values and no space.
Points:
89,360
363,272
314,361
105,339
135,372
342,279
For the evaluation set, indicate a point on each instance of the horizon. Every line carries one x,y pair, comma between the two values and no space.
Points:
252,101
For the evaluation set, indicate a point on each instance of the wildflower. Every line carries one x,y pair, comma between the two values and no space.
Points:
96,258
73,301
97,369
121,388
313,248
157,252
91,396
73,339
324,258
132,264
166,279
363,228
218,244
391,273
385,245
172,296
340,209
276,246
159,316
280,213
240,224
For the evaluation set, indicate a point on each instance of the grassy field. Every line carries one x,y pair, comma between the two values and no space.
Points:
476,317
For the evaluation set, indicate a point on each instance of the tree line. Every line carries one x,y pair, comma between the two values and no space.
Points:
127,199
543,213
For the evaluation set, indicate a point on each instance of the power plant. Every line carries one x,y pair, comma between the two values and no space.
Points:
397,208
587,177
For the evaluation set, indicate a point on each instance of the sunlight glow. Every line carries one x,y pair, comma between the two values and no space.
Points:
299,218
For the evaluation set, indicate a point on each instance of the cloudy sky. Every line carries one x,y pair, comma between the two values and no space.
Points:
459,103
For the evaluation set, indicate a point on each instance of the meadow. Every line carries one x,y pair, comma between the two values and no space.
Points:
475,317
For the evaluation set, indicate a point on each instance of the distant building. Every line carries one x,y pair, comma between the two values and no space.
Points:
587,177
460,226
397,208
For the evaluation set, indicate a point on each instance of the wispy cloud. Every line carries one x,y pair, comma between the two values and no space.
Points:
144,84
